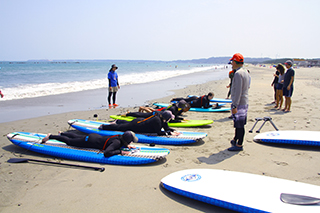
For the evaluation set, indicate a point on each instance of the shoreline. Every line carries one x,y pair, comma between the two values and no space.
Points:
128,96
38,187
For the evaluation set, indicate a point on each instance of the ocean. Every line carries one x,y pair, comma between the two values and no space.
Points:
20,80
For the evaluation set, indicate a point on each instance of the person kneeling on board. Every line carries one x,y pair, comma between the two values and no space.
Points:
151,124
198,102
110,145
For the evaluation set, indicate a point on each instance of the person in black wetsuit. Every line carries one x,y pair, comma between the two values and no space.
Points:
177,109
198,102
151,124
109,144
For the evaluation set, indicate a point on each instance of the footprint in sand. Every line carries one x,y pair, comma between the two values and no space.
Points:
281,163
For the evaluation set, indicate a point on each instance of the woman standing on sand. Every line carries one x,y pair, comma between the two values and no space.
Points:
279,91
113,85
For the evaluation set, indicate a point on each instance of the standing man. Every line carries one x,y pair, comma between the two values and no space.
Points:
113,85
288,86
239,97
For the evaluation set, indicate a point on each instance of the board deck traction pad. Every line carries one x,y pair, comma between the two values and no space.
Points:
31,141
194,175
310,138
188,123
88,126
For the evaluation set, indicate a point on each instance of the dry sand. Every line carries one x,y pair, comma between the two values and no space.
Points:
31,187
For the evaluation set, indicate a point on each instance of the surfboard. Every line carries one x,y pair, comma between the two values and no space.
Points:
296,137
217,100
220,104
139,155
187,123
242,192
185,137
197,109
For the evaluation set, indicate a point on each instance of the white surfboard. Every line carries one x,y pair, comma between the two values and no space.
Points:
241,192
307,138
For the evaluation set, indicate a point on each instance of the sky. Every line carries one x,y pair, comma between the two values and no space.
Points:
158,29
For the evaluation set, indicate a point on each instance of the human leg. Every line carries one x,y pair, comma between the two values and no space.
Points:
114,97
288,100
239,119
109,98
277,99
77,141
281,98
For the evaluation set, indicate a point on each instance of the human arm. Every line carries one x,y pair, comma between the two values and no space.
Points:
118,83
113,148
236,90
290,83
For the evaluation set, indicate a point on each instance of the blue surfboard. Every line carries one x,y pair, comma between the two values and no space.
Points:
218,100
185,137
32,142
244,192
293,137
197,109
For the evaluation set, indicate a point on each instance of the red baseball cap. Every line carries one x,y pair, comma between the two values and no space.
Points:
237,57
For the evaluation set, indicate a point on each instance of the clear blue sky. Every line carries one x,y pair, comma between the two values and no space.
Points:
158,29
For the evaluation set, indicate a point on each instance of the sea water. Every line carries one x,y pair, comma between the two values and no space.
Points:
29,79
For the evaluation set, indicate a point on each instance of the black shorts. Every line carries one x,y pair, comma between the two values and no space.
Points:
286,92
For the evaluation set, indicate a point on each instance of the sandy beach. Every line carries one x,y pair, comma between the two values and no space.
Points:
34,187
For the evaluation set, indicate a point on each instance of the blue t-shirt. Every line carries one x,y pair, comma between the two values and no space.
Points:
113,76
287,77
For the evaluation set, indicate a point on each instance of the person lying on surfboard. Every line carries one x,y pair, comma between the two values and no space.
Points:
198,102
110,145
148,114
176,108
151,124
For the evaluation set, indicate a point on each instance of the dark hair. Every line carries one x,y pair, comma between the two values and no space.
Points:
210,94
280,67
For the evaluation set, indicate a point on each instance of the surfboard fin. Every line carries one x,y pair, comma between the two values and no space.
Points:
298,199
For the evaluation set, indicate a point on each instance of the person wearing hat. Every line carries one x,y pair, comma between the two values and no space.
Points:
151,124
288,85
110,145
113,85
197,102
239,96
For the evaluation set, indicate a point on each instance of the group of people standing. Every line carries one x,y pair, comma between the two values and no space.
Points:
283,85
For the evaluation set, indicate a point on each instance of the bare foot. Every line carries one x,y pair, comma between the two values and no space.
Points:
45,139
114,122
